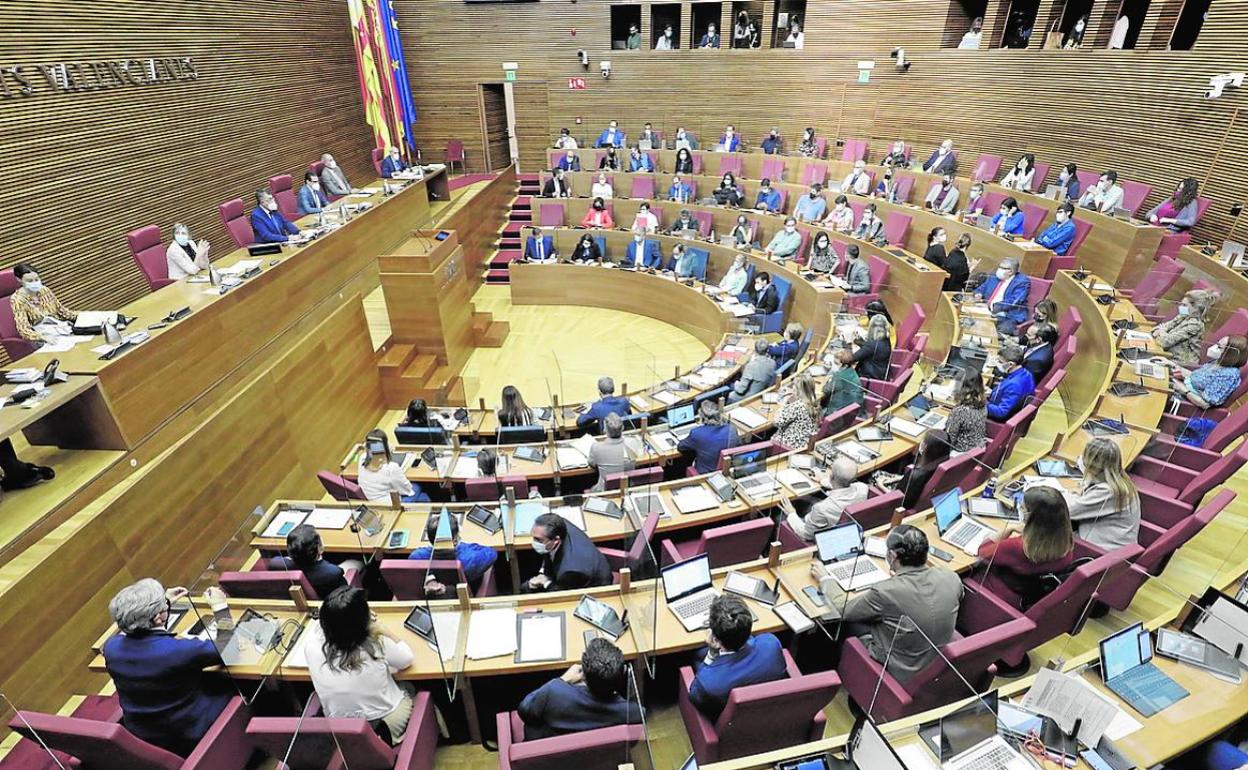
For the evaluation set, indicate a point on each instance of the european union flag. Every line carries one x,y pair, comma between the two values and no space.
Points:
398,71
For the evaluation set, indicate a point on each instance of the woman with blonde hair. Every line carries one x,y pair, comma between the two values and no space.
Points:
876,350
1180,337
1014,564
799,417
1105,509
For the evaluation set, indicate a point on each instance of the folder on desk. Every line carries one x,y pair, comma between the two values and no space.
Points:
694,498
569,458
666,397
747,417
328,518
527,513
542,637
284,521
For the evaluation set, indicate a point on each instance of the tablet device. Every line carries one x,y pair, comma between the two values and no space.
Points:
603,507
430,457
420,622
793,616
485,519
602,616
532,454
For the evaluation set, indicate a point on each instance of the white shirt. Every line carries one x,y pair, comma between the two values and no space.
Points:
602,190
798,39
369,692
1018,180
378,484
565,143
1118,38
178,263
647,221
664,43
856,184
971,39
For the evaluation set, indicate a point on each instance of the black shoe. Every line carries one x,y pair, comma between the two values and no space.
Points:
46,473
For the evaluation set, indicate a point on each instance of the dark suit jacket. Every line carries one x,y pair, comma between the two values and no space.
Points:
947,166
577,564
548,190
324,576
389,166
873,357
559,708
955,265
548,247
1039,361
767,302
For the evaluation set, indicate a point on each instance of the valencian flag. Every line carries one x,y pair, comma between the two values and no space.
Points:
384,89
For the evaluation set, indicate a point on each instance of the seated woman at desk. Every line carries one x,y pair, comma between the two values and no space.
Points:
799,417
956,265
1013,564
843,386
876,350
610,161
808,148
733,282
1214,383
1045,312
1105,509
597,216
379,476
1009,220
935,252
514,412
823,258
1019,177
1068,180
684,161
34,302
896,157
1180,337
352,661
729,193
741,233
1178,212
417,414
474,559
933,450
967,425
841,217
587,251
185,257
602,188
870,227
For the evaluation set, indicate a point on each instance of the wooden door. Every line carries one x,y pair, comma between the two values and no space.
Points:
494,126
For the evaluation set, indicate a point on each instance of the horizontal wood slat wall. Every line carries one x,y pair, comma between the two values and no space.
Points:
277,86
1139,112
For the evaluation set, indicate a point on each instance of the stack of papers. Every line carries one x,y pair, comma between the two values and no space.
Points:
665,397
446,632
527,513
465,467
298,656
240,267
568,458
1065,698
26,374
694,498
571,513
662,441
541,637
328,518
491,633
640,403
747,417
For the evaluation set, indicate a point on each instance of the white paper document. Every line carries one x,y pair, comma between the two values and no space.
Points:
1065,698
694,498
491,633
329,518
571,513
283,522
298,656
797,481
240,267
740,583
747,417
567,458
465,468
640,403
541,637
446,631
665,397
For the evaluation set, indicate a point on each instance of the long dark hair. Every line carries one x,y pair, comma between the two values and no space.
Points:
346,623
1186,193
417,413
514,408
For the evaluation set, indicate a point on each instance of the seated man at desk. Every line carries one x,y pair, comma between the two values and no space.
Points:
680,191
607,403
785,243
758,374
841,489
306,553
943,160
768,197
642,253
713,435
565,141
645,219
611,136
683,222
166,697
569,162
639,161
474,559
1061,234
34,302
1006,292
540,248
943,197
312,200
1104,196
1015,387
772,143
811,207
185,257
268,223
857,181
332,177
896,618
729,141
1038,353
787,347
609,454
731,657
570,560
557,185
393,163
586,697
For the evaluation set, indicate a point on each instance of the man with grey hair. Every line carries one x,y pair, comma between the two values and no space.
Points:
901,620
268,224
1006,292
1015,387
332,177
610,454
758,374
607,403
842,490
166,697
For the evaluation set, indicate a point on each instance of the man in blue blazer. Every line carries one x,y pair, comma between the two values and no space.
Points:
569,162
607,403
586,697
680,191
768,197
1061,234
166,697
392,163
312,199
540,248
943,161
710,438
570,560
611,136
1006,292
1014,389
267,221
731,658
730,140
1038,353
650,258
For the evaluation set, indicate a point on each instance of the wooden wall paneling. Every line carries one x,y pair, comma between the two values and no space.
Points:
533,127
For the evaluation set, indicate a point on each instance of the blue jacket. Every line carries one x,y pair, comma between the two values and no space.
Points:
474,558
709,41
548,247
1038,361
1073,188
1013,225
731,145
640,164
706,442
783,350
605,406
759,660
324,576
271,226
771,146
768,200
604,139
1014,304
160,681
311,201
676,191
577,564
651,256
1009,395
574,165
1058,236
559,708
390,165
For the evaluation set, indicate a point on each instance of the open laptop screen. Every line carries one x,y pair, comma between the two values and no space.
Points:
839,542
870,750
968,727
1125,650
680,415
686,577
948,507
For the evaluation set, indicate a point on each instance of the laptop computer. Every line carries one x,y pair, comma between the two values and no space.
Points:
969,740
680,415
843,553
1055,191
964,361
1129,673
956,528
868,749
689,592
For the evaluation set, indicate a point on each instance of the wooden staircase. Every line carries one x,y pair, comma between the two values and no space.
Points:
511,240
406,373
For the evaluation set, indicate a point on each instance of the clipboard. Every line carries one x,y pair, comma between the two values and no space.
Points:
529,617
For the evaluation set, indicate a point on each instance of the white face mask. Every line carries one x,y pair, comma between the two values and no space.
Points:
34,287
1214,352
271,204
728,131
316,185
541,547
1104,184
1184,310
638,238
975,193
181,239
1002,273
790,228
331,163
394,156
1062,216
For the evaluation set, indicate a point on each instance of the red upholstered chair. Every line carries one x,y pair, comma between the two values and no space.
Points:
706,220
1033,217
730,163
1050,383
1070,322
697,163
905,184
1065,352
643,186
812,173
855,150
1171,243
603,749
986,168
149,254
910,325
338,487
879,276
992,202
1002,435
1082,228
316,742
896,227
101,743
13,343
406,577
836,422
265,584
1169,492
1159,545
821,147
1087,180
234,219
640,477
888,390
1038,291
550,214
1041,174
1236,323
773,169
759,717
598,156
729,544
281,188
377,154
316,167
455,154
478,490
966,471
1133,194
876,511
635,556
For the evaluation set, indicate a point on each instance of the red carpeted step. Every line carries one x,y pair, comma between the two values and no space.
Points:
523,202
502,258
497,276
512,229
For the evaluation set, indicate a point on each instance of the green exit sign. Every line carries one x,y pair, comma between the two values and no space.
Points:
511,75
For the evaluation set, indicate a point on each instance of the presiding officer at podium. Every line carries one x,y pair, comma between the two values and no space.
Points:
570,560
267,221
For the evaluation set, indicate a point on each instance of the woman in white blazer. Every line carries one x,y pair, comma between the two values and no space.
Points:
185,257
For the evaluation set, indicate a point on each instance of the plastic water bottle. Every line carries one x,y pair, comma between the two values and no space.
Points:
990,489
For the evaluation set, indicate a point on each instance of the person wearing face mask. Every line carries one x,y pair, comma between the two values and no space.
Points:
1009,220
185,257
1105,196
823,258
729,141
1075,38
1213,384
896,157
785,243
683,261
731,657
648,139
475,559
843,387
1105,509
742,234
1014,388
602,188
903,620
569,162
809,147
332,177
684,161
393,163
886,189
267,222
680,191
772,144
935,252
1061,234
811,207
565,141
710,39
943,160
540,248
1021,176
684,141
870,227
1006,292
1045,312
557,185
970,40
769,198
610,161
857,181
1068,179
570,560
642,253
729,193
312,200
841,489
1180,337
975,200
684,221
587,251
765,298
956,265
645,220
943,197
598,216
841,217
611,136
1178,212
609,454
734,281
744,32
1038,352
639,161
857,272
667,40
633,42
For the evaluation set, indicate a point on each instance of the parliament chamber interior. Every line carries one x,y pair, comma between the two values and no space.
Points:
530,384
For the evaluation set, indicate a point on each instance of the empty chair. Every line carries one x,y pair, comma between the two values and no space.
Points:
636,478
876,511
1033,217
729,544
855,150
1041,174
1169,492
280,186
966,471
455,154
338,487
905,184
896,228
812,173
910,325
643,187
479,490
705,221
759,717
601,749
730,163
836,422
550,214
1171,243
234,220
986,168
406,577
1133,195
1070,322
149,254
638,552
773,169
889,389
376,155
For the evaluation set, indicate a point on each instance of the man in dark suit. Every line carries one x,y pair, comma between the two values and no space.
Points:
765,298
586,697
393,163
607,403
306,553
1038,354
557,185
642,253
267,221
540,248
570,560
943,161
1012,392
1006,293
